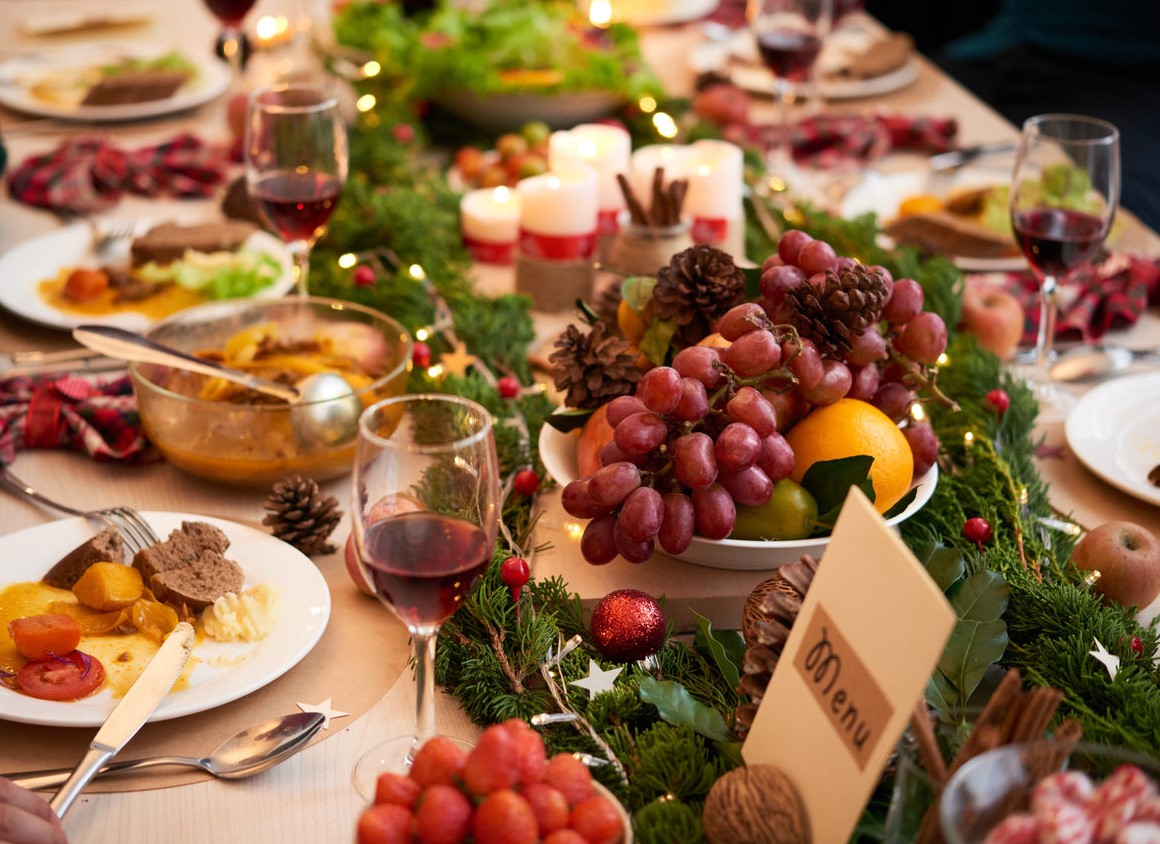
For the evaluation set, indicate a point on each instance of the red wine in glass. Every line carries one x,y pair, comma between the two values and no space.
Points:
1057,240
789,53
423,564
297,204
230,12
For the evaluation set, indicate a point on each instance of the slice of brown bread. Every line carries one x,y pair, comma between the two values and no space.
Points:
168,241
189,567
106,546
945,234
136,86
200,583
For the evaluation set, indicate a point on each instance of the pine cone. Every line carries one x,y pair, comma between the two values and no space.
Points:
696,289
847,303
301,515
593,368
606,306
770,612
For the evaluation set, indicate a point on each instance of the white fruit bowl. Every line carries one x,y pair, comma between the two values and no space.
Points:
558,452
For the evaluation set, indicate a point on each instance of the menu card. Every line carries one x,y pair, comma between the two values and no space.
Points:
870,631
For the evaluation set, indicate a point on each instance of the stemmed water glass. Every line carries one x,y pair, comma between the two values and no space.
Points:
1065,189
425,515
231,13
296,164
789,35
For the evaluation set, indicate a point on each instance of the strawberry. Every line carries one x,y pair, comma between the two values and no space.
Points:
565,836
396,788
504,817
443,815
384,824
439,761
492,764
531,758
597,821
570,776
549,804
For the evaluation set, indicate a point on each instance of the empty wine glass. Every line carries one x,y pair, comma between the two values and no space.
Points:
296,164
424,517
789,35
231,13
1065,189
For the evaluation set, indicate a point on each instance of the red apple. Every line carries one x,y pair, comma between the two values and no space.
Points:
236,110
723,104
1127,557
993,315
354,569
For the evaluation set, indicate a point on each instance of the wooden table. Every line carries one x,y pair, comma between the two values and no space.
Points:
310,798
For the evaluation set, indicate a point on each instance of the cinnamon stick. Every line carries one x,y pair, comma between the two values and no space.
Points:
928,749
635,209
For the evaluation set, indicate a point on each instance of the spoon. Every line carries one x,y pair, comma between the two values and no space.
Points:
251,751
1089,363
330,407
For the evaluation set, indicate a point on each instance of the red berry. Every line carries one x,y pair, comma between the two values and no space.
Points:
550,806
504,817
404,133
1137,645
997,400
531,758
421,355
571,776
438,762
443,815
399,789
364,276
526,482
384,824
978,531
492,763
597,821
508,386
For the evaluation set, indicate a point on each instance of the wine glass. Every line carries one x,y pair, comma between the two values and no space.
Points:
424,517
1064,192
789,35
296,164
231,13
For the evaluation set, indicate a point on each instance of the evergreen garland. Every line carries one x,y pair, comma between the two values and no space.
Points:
398,211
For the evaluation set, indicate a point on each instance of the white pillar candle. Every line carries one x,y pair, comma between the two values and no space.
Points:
606,149
489,219
672,157
558,214
715,174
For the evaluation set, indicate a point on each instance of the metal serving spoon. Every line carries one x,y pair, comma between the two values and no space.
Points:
330,407
1090,363
251,751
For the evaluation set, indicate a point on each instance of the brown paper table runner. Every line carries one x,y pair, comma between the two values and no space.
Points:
341,666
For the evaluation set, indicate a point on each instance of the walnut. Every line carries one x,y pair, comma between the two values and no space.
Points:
756,804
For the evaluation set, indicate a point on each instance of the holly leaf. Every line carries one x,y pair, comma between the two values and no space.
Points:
637,290
657,339
981,597
726,647
679,708
568,420
901,504
587,313
829,481
974,647
943,563
942,695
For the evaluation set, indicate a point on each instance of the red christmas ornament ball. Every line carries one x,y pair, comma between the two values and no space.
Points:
997,400
508,387
421,354
526,482
628,625
364,276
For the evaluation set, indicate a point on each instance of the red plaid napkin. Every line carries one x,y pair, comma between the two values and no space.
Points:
96,417
832,140
1108,293
90,174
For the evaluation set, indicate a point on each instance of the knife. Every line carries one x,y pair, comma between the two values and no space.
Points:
42,363
127,716
956,158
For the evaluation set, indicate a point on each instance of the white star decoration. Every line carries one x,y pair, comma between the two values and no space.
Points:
324,709
598,680
1110,661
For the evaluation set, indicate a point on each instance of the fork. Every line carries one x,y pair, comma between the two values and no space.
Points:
136,532
106,234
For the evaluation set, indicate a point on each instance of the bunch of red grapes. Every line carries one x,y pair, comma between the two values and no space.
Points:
704,435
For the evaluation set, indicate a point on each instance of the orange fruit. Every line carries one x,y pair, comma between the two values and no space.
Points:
850,427
631,324
595,434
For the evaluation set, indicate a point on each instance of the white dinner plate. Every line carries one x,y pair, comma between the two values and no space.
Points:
1114,430
25,266
558,453
736,59
882,193
661,12
17,77
224,671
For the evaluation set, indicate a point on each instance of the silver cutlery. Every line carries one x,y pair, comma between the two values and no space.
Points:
133,710
244,754
946,162
1090,363
66,360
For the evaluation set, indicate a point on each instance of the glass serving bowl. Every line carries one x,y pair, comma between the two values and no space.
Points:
253,442
999,783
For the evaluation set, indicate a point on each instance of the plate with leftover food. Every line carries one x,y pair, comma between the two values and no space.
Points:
284,610
964,215
659,12
859,59
1114,430
58,279
110,83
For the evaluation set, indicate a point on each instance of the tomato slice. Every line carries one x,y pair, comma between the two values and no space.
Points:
44,636
69,677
